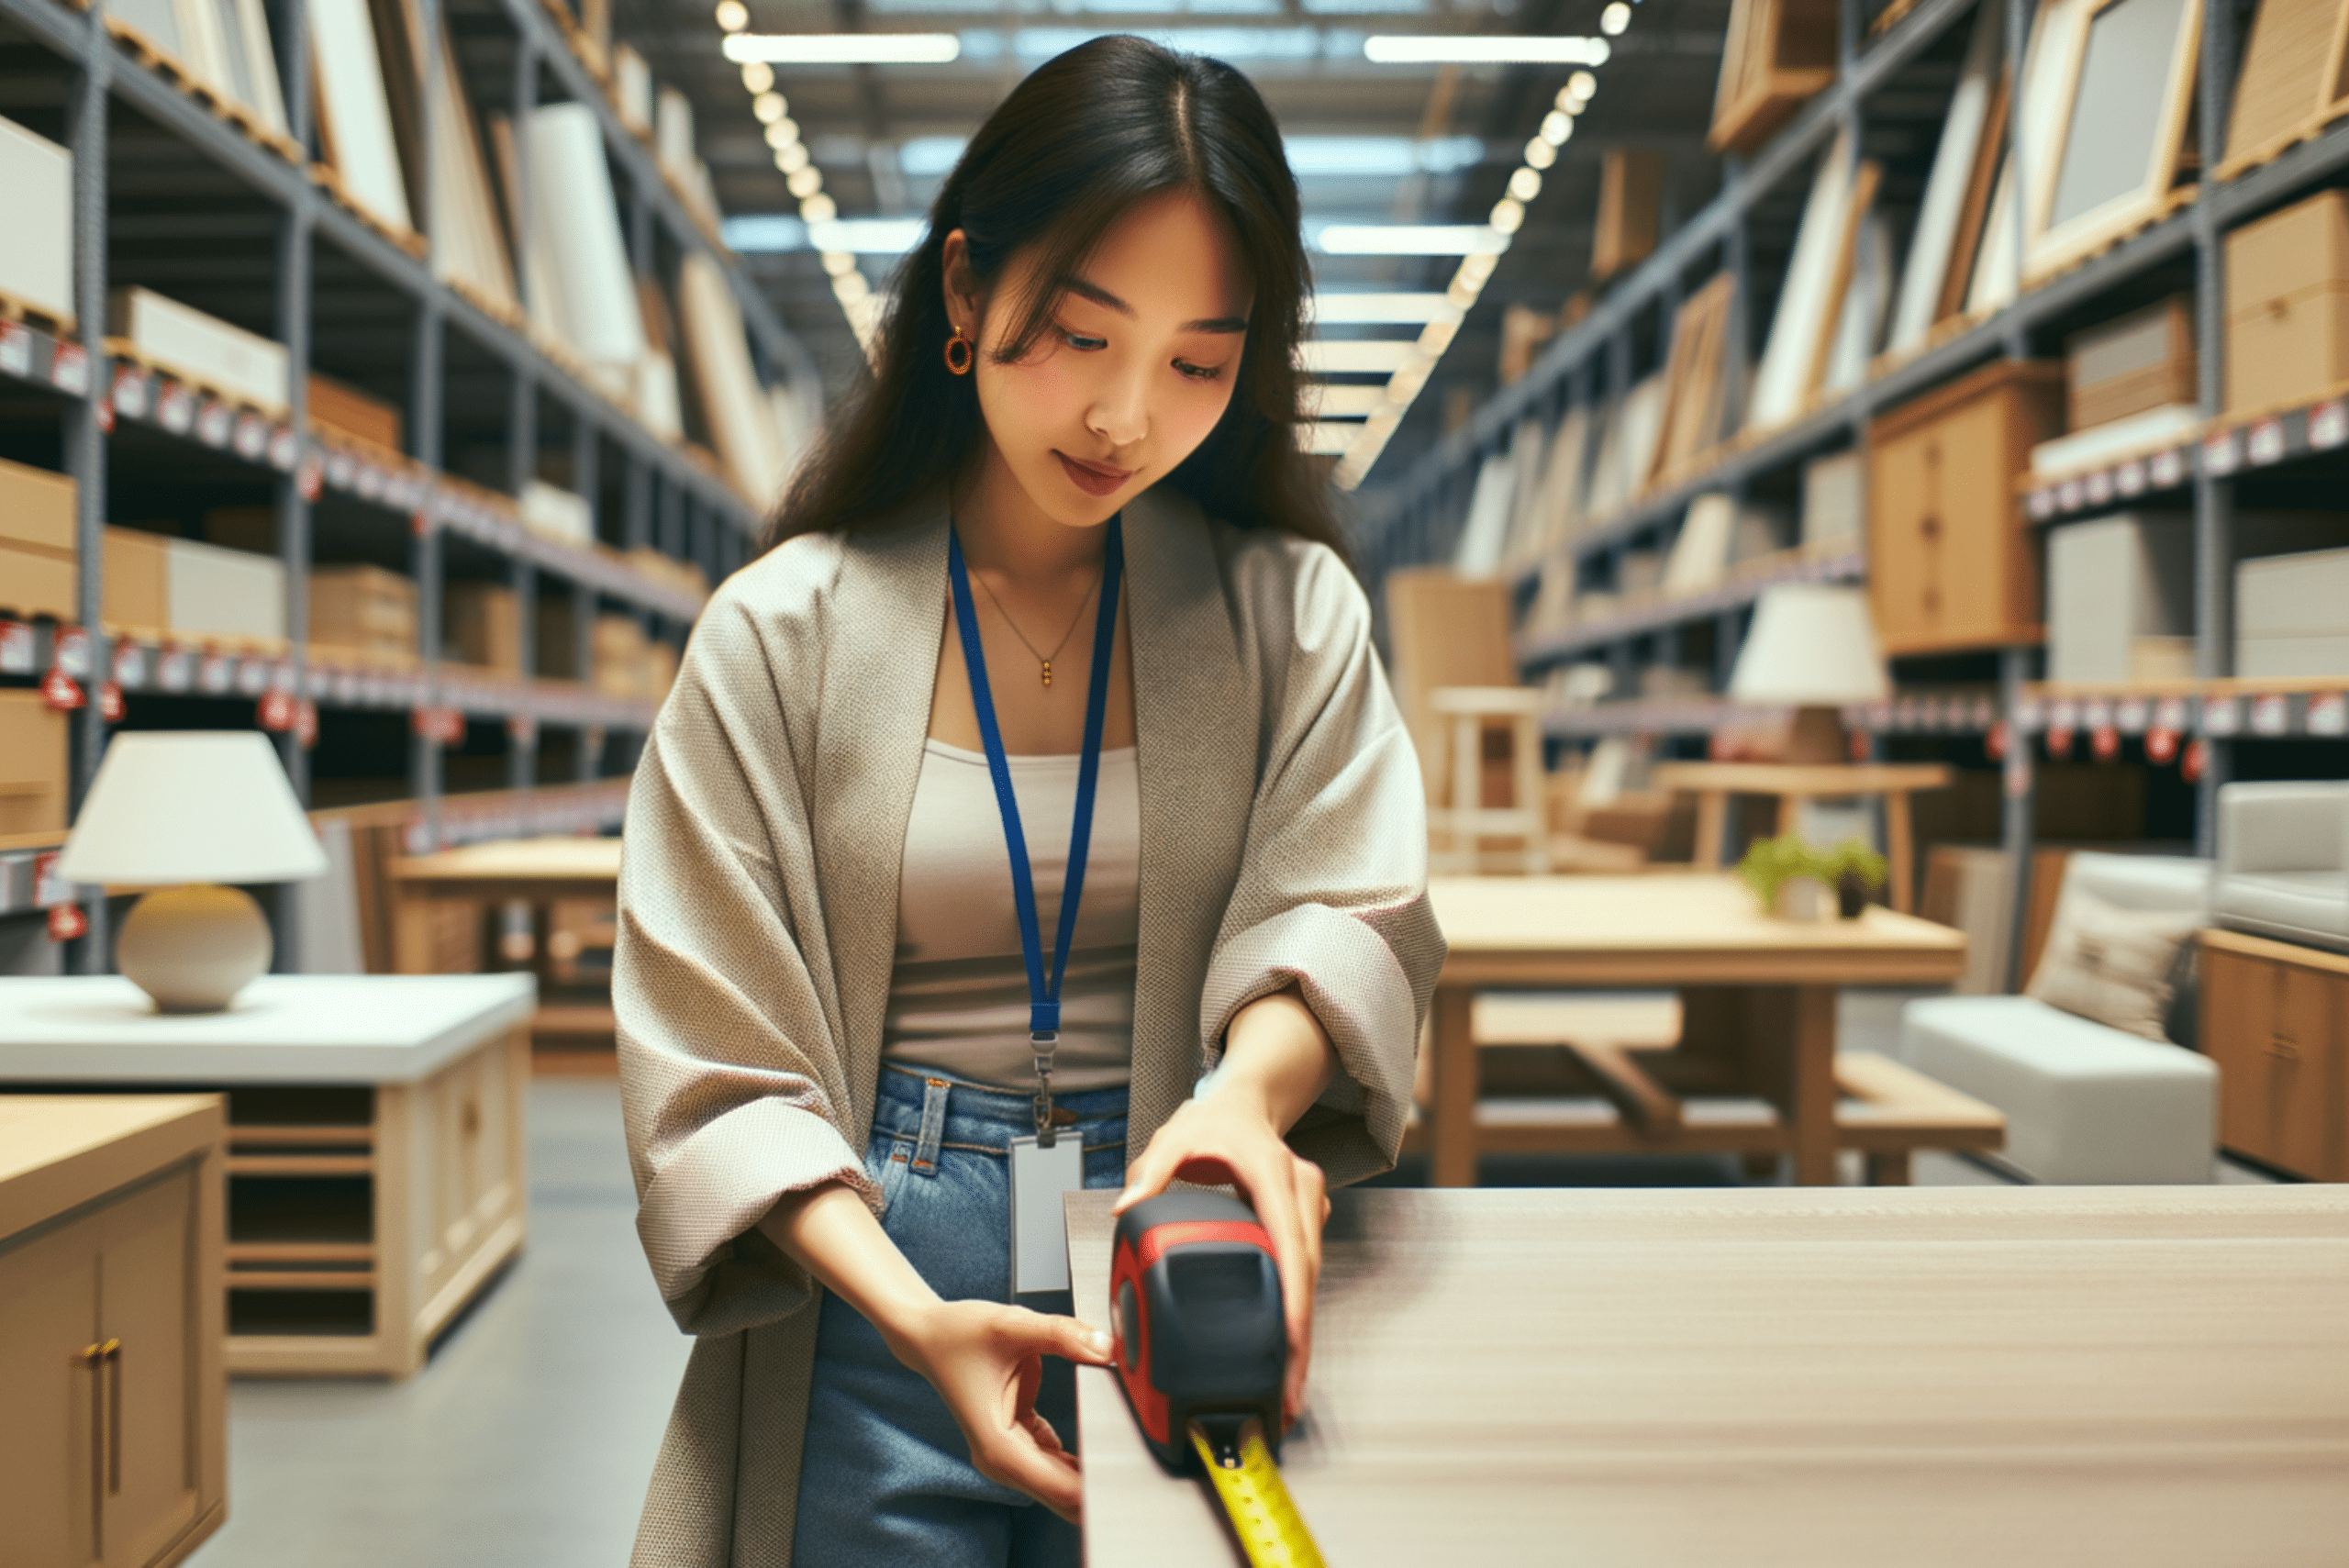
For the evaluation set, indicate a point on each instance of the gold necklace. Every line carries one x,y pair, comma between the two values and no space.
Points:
1042,657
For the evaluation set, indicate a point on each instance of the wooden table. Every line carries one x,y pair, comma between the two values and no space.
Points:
1714,783
1757,998
375,1142
1919,1378
114,1431
540,872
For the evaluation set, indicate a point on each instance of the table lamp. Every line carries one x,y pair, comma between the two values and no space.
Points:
1812,647
183,812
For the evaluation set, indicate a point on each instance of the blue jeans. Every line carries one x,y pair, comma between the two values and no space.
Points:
886,1476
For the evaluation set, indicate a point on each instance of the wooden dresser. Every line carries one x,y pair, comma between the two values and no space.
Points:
113,1384
1952,564
2276,1019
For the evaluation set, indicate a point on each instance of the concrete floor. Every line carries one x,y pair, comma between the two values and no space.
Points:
528,1437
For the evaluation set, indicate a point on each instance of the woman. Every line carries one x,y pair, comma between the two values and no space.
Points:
1063,551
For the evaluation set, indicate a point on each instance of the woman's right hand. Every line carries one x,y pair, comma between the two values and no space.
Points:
987,1362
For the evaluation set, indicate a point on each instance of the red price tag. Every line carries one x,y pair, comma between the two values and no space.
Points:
60,691
2104,742
66,922
2059,740
2161,746
276,711
2197,757
111,706
1994,744
306,723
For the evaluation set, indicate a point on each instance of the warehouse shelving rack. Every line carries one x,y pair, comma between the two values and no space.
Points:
1418,518
449,360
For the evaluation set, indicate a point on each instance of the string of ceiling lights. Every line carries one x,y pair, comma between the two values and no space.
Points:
1506,218
1413,362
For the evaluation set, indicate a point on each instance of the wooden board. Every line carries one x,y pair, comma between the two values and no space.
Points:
1788,370
2290,85
1937,1377
355,111
1941,243
1694,382
1777,53
1631,199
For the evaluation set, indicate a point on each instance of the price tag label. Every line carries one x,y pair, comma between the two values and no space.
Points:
2167,469
71,369
2222,453
2266,441
2328,714
16,349
174,408
2221,715
213,420
2329,425
2271,713
2129,479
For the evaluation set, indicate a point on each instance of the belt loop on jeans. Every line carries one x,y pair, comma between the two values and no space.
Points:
933,1125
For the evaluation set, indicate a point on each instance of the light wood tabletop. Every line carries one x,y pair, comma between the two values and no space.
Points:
534,868
1794,783
1757,1003
1895,1379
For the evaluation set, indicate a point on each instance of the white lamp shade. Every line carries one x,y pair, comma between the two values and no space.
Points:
180,805
1812,645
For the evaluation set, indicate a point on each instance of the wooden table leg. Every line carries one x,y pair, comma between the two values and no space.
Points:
1813,1089
1451,1130
1899,848
1712,828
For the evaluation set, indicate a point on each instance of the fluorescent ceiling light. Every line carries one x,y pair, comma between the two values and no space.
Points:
1349,402
1365,356
1326,436
1409,240
1386,156
843,48
1413,309
930,157
1235,44
868,236
761,234
1467,49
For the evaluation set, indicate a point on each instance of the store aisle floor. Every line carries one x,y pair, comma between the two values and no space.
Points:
528,1437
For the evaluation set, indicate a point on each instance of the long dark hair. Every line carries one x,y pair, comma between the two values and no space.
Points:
1088,135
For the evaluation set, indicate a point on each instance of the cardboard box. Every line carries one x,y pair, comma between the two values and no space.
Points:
364,609
2287,304
205,348
346,411
622,657
214,592
37,242
557,513
2141,362
35,581
137,571
35,507
2111,582
1631,197
481,624
2292,615
32,764
1834,500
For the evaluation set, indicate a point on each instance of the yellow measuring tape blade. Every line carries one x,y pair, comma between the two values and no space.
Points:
1270,1533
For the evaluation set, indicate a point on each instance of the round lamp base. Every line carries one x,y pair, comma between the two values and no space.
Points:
193,948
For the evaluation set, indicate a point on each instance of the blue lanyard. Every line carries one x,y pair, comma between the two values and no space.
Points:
1043,999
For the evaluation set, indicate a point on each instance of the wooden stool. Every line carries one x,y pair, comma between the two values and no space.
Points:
1460,823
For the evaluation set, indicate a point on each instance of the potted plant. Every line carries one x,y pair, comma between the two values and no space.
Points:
1782,875
1854,871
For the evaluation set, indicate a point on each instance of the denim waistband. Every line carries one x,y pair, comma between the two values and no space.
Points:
936,1111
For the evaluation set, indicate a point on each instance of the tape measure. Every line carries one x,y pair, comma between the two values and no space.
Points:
1202,1353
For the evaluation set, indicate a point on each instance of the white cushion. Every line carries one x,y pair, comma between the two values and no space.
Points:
2281,871
2085,1105
2141,881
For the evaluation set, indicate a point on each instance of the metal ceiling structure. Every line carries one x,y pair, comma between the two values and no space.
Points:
1374,144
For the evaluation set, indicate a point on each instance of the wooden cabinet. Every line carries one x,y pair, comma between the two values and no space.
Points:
376,1145
2276,1019
113,1446
1951,564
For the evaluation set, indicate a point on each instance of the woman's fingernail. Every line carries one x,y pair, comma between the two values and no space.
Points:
1098,1342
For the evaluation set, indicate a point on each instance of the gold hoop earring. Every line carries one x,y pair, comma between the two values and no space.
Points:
958,354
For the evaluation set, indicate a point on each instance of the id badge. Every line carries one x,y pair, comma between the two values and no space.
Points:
1039,1229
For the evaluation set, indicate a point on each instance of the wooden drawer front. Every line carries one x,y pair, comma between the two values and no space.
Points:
48,1315
146,1270
1944,535
2274,1031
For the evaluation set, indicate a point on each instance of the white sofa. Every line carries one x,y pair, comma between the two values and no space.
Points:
2085,1103
2284,861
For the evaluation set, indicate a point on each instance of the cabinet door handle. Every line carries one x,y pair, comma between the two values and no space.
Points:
2283,1050
110,1353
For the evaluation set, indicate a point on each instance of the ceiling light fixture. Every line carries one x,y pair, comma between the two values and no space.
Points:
758,76
1467,49
733,16
1412,370
844,49
1407,240
769,108
1356,309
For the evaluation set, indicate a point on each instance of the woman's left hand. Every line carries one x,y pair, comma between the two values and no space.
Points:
1231,1136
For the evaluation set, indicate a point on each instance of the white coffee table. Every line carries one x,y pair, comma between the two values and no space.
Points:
375,1142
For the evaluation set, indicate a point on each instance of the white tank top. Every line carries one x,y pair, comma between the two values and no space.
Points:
958,998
